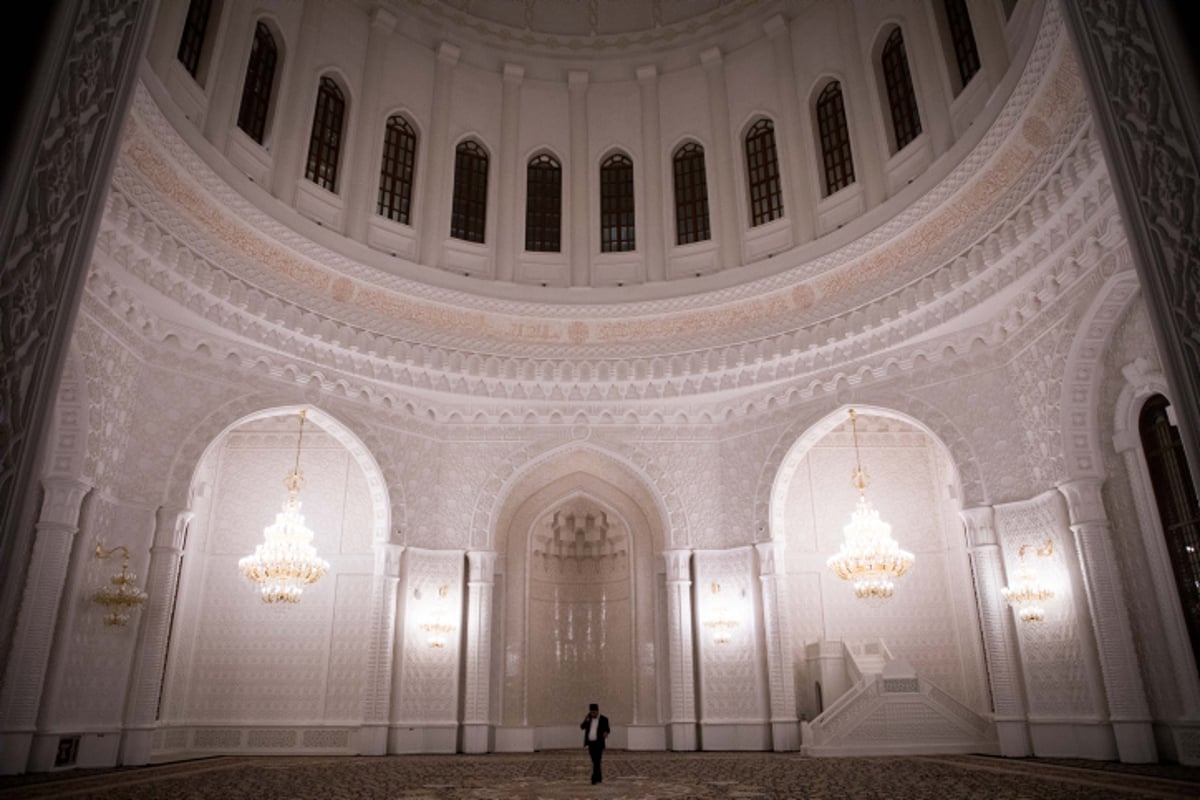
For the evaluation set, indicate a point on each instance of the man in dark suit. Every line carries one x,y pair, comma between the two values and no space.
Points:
595,731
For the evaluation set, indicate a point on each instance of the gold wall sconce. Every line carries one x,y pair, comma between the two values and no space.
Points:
122,594
437,628
1028,593
721,621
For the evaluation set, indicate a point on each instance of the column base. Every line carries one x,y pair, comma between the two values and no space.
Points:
785,736
683,736
476,738
1014,739
1135,742
136,745
373,740
14,752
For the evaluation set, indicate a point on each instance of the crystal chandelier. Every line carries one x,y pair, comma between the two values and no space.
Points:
869,555
722,622
436,628
1029,592
286,561
122,593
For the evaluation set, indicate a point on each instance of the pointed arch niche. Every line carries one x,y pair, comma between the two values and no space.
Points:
235,666
581,605
932,621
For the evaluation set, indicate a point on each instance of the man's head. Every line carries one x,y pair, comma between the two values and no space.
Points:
593,709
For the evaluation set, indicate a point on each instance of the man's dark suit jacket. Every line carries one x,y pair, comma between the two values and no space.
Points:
602,730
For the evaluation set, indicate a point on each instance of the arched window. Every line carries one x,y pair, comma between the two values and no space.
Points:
836,158
469,215
902,100
762,171
616,205
1178,509
691,195
962,39
325,145
543,205
260,79
195,29
396,171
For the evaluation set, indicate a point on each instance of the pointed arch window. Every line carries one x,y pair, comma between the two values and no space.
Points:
260,80
762,172
691,195
195,30
836,157
1178,508
543,205
325,144
902,98
962,39
397,171
468,218
617,231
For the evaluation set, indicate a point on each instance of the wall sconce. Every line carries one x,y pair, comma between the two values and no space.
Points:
721,621
122,594
1028,594
436,627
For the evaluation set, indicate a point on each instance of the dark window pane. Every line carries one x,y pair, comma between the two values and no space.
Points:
260,79
543,205
958,20
691,195
616,205
468,217
191,44
835,138
396,171
325,145
902,100
762,168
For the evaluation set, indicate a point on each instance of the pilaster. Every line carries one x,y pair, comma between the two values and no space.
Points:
863,116
680,650
296,106
509,226
229,74
162,576
477,703
377,699
999,637
581,225
435,219
1128,710
795,142
785,727
724,205
653,177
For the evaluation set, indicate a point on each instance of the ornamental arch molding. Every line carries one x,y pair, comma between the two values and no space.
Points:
1084,373
799,437
520,476
383,484
66,454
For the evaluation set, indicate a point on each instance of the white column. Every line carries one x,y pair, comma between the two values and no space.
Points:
581,212
792,138
785,727
999,636
162,576
680,650
723,205
477,722
1127,707
377,700
509,234
294,122
362,189
652,177
435,220
25,669
864,115
924,59
228,74
988,24
163,47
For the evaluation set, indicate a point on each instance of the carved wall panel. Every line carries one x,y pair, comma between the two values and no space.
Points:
428,682
732,677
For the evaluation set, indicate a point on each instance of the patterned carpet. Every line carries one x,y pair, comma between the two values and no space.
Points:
560,775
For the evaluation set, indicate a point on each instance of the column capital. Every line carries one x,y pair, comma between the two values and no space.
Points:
481,565
170,525
383,20
513,73
577,79
711,57
387,559
980,523
448,53
679,565
61,499
647,72
1084,500
775,26
770,557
